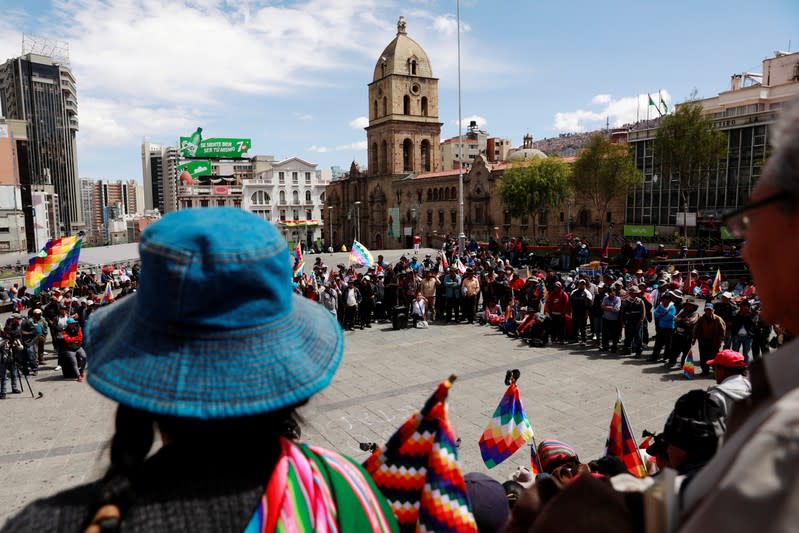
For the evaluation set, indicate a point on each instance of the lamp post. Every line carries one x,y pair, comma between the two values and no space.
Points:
358,220
330,236
461,235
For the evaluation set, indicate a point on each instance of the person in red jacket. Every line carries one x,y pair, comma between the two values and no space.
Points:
556,306
72,358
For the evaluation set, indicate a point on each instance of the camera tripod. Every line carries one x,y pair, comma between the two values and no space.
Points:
10,356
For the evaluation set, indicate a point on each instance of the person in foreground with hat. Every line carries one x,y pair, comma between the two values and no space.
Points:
732,383
231,357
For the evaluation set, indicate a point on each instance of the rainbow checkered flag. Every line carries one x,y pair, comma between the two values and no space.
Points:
507,431
535,462
361,256
55,266
299,264
417,471
688,368
621,442
108,296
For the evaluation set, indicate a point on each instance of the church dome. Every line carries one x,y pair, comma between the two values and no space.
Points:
403,56
526,153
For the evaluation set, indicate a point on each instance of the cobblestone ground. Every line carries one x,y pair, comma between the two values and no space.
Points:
59,441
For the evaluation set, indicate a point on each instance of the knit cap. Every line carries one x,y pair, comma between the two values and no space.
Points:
553,453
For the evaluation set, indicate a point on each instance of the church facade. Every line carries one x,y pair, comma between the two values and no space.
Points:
403,192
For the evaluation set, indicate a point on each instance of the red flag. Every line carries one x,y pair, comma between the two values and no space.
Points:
535,464
716,283
621,442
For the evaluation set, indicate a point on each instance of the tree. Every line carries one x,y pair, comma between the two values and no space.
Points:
688,147
530,187
604,171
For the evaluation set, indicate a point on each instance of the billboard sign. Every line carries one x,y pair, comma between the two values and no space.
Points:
631,230
216,147
195,168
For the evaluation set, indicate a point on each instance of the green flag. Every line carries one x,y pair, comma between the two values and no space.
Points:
663,103
651,102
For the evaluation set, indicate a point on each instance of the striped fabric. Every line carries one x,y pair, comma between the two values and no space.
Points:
418,472
507,431
551,451
300,496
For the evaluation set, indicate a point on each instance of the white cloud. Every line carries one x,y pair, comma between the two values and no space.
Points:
600,99
448,25
359,123
465,121
624,110
319,149
357,145
303,116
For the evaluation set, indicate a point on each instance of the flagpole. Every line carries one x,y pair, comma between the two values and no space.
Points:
461,235
627,420
648,105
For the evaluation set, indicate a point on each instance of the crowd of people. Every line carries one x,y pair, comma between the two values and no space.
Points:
57,315
219,360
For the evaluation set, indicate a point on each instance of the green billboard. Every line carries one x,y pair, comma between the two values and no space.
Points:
195,168
631,230
216,147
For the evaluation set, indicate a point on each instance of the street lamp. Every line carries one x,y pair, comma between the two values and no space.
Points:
358,220
330,236
461,235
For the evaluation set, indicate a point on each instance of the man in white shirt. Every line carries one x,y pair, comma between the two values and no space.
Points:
732,384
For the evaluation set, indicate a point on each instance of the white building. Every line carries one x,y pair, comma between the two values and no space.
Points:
291,195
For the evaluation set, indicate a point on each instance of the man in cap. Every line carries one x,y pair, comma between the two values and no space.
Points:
709,333
556,306
470,288
580,302
684,323
41,327
633,312
611,326
351,297
452,294
663,314
732,382
366,286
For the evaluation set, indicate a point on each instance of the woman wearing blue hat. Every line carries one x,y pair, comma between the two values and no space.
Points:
216,353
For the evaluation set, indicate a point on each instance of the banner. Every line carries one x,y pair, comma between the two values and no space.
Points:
393,222
216,147
195,168
631,230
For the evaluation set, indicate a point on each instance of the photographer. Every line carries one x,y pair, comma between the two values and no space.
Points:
22,335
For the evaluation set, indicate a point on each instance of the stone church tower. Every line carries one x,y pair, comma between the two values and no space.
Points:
404,132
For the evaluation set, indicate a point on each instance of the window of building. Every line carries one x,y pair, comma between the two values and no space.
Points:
307,197
322,197
425,155
282,197
407,155
453,217
281,178
424,106
295,215
385,106
308,214
373,164
446,193
507,219
562,216
441,218
237,204
452,193
384,158
608,217
435,195
295,197
260,198
429,216
413,67
295,177
220,203
308,178
406,105
374,110
283,215
478,214
203,203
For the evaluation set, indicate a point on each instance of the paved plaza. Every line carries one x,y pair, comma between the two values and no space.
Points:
59,441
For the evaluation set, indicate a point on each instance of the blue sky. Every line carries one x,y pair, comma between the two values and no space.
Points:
292,75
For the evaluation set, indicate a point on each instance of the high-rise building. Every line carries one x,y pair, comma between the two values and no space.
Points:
106,201
39,88
159,173
12,219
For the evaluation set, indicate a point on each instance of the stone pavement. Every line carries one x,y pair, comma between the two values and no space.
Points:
58,441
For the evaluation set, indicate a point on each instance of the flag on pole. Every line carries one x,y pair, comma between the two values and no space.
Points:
507,431
621,442
606,244
360,255
688,368
299,264
716,288
663,103
108,296
460,266
418,472
55,266
535,462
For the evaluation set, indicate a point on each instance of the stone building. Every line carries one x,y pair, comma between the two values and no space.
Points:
405,192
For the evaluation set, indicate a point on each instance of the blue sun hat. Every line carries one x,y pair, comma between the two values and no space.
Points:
214,330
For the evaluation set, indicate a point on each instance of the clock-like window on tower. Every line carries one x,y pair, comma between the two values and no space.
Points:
425,155
424,106
406,105
407,155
